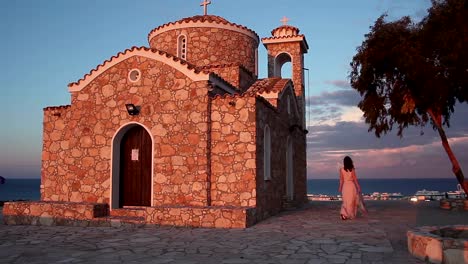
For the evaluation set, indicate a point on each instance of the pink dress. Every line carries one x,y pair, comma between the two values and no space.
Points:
349,193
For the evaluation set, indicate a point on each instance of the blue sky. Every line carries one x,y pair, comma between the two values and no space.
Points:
48,44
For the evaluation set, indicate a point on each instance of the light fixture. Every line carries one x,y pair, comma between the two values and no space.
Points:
132,109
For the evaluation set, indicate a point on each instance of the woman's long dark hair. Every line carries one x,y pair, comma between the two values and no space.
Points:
348,164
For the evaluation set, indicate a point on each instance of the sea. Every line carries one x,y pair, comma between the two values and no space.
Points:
29,189
406,187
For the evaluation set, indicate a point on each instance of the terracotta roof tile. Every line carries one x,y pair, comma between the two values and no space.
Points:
268,85
207,18
284,37
174,58
227,95
60,107
285,27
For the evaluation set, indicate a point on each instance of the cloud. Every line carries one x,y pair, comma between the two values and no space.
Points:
339,83
414,155
341,97
399,8
427,160
336,129
328,108
352,114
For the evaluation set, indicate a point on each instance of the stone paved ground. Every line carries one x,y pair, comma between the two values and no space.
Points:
313,234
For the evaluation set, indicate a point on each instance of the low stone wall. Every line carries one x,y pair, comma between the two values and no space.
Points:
51,213
427,243
215,216
454,204
97,214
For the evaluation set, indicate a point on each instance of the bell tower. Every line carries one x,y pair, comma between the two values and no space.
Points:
287,45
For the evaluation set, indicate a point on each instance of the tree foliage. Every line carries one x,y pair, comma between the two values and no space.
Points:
409,74
402,64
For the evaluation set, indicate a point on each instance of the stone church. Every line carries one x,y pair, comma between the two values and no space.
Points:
181,132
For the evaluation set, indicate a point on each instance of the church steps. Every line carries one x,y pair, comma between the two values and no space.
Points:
128,212
131,221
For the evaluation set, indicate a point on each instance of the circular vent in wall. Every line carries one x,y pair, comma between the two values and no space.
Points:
134,75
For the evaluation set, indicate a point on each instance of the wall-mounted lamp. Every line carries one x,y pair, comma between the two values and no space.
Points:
132,109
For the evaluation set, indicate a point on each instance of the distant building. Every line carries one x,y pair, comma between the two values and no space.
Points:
178,133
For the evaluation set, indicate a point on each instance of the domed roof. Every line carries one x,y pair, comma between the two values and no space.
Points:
198,20
285,30
286,33
203,18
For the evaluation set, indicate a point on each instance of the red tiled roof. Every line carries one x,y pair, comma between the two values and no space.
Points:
285,37
207,18
176,59
60,107
268,85
285,27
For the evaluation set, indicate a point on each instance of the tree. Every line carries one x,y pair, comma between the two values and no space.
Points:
409,74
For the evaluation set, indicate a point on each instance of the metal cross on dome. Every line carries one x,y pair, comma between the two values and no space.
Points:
205,4
285,20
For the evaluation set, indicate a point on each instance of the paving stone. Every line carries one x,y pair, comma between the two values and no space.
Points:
313,234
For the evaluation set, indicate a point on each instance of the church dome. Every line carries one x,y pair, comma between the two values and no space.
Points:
285,31
207,40
203,18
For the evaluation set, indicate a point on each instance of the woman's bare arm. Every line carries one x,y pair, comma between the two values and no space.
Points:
341,181
358,187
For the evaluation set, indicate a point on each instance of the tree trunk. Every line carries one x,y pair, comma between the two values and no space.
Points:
437,119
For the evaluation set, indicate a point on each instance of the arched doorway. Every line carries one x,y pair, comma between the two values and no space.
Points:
132,167
289,170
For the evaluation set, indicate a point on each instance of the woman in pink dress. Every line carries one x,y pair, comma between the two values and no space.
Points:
350,190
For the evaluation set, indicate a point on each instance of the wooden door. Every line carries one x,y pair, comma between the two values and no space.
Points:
135,168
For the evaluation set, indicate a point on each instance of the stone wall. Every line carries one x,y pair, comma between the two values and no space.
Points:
55,123
77,144
212,216
236,75
271,193
94,214
51,213
294,49
210,46
297,61
233,151
300,166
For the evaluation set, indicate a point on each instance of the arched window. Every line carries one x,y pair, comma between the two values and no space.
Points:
182,47
266,153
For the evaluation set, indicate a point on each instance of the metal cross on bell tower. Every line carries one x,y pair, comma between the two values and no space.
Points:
205,4
285,20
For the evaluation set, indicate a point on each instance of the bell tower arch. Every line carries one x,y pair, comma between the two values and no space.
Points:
287,45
